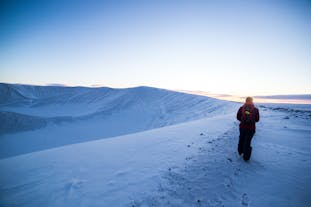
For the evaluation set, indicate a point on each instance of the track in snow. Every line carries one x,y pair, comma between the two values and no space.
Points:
216,168
276,175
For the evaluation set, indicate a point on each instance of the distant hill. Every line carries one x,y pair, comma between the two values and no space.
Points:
296,97
50,116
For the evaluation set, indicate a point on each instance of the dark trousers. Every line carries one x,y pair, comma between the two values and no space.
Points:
245,140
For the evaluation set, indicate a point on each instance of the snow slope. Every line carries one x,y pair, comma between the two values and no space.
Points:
188,164
41,117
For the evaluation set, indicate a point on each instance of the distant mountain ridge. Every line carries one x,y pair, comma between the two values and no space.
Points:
285,99
289,96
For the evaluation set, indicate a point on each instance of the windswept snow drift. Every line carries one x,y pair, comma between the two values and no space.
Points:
41,117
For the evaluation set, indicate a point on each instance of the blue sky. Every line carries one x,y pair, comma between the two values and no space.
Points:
228,47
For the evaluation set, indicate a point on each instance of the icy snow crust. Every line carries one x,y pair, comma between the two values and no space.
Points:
187,164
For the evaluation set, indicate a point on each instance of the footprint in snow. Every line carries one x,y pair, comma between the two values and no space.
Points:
237,171
244,200
229,159
72,186
215,202
189,158
228,182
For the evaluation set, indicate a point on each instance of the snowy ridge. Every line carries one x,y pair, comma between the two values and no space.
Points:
77,102
42,117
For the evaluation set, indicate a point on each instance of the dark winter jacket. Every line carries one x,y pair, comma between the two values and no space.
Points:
255,117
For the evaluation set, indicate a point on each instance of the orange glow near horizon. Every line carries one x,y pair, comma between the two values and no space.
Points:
241,99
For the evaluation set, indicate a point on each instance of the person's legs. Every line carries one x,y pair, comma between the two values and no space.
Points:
247,149
241,141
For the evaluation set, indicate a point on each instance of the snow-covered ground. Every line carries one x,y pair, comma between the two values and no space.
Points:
187,164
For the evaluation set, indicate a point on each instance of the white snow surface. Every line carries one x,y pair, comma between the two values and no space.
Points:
41,117
187,164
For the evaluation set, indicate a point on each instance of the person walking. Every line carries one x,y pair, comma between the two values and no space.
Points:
248,115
